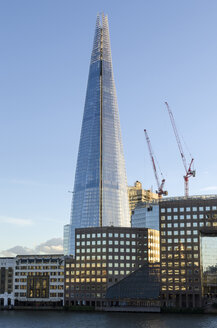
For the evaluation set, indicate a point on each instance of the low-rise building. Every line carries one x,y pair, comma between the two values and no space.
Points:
6,282
39,280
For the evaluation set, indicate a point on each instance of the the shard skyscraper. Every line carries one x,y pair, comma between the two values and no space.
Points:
100,189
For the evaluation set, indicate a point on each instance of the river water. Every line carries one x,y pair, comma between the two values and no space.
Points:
52,319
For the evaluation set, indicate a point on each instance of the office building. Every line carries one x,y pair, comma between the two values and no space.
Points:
146,215
39,280
100,188
103,257
188,228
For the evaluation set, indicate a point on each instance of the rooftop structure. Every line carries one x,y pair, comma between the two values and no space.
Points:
137,195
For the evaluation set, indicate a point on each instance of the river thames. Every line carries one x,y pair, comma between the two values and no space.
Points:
51,319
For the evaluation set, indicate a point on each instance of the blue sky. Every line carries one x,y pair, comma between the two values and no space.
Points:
162,51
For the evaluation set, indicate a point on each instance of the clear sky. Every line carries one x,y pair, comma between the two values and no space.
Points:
162,51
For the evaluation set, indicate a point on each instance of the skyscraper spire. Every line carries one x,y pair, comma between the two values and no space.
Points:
100,189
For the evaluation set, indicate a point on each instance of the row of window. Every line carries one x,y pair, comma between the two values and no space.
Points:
22,294
179,272
109,242
179,264
39,273
188,209
87,296
88,280
110,235
179,280
182,225
181,256
179,240
37,267
177,287
102,257
104,250
179,232
188,217
179,248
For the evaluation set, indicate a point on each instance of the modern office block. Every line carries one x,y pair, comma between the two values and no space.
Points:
104,256
187,226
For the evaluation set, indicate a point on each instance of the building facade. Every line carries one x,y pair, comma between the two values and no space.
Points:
146,215
39,280
100,188
183,222
138,196
104,256
6,282
66,238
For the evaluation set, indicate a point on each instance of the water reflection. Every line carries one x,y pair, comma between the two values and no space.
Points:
209,264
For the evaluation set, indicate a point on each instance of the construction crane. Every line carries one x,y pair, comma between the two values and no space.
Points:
189,172
160,190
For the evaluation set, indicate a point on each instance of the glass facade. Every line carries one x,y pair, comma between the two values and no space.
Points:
100,188
209,263
146,216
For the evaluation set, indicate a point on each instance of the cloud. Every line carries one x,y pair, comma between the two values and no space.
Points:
27,182
17,221
51,246
210,188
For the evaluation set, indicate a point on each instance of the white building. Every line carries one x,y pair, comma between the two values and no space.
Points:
39,280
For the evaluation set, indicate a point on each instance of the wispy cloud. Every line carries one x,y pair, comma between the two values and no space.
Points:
209,188
27,182
16,221
51,246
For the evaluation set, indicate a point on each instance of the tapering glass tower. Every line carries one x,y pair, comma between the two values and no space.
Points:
100,189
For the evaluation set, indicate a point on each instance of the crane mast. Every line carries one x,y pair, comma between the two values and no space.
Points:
188,169
160,185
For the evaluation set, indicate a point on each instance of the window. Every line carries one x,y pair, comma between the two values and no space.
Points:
175,225
201,208
163,210
188,209
194,209
181,217
181,209
175,209
169,210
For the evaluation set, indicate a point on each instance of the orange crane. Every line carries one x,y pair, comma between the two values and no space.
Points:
189,172
160,190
